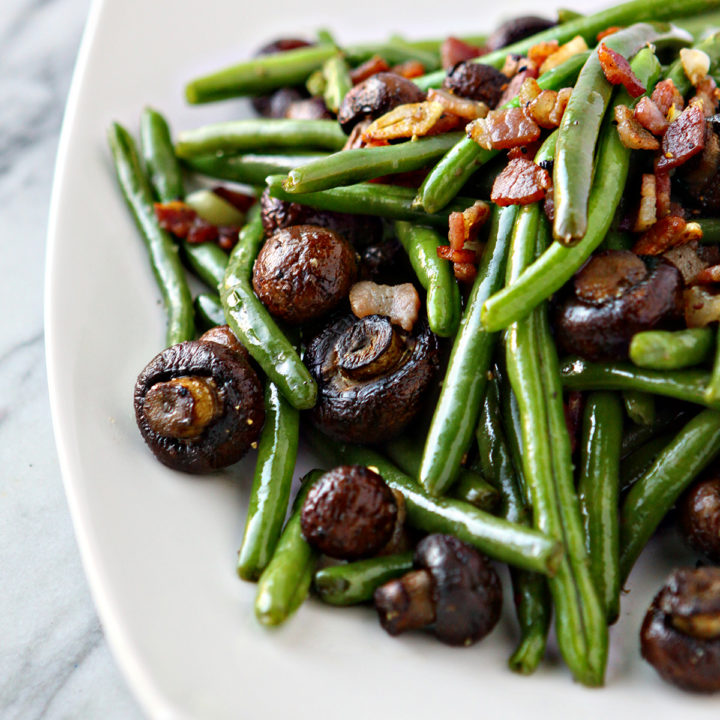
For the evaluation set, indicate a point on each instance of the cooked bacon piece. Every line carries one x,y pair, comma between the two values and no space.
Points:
707,276
458,106
565,52
453,50
409,69
561,103
666,233
514,64
527,71
456,256
706,96
662,194
527,152
539,53
370,67
696,64
666,95
447,123
548,108
617,71
400,303
701,306
647,213
463,227
648,114
504,129
465,272
684,139
404,121
632,134
607,32
529,90
686,259
522,182
182,221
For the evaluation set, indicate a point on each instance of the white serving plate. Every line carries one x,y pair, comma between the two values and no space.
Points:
158,546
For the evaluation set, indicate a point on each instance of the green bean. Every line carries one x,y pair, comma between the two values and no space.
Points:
256,328
710,230
655,493
698,25
639,406
270,491
162,166
316,83
578,134
671,350
325,37
434,45
208,311
712,390
388,201
458,407
395,52
434,274
214,209
598,491
350,166
260,134
688,385
566,15
514,544
249,168
668,416
637,463
283,585
461,161
558,263
162,250
355,582
337,81
207,260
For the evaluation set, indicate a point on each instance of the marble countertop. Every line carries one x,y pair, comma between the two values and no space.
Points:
54,660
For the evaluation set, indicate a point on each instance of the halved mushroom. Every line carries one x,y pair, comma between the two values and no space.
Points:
455,589
371,377
517,29
615,295
700,517
482,83
680,636
199,406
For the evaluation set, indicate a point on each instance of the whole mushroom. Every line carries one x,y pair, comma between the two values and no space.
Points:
680,636
517,29
455,590
476,81
700,517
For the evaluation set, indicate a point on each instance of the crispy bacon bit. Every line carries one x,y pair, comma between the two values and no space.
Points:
632,134
647,213
527,71
400,303
504,129
648,114
701,306
527,152
463,250
666,233
456,256
370,67
542,109
514,64
707,276
238,200
404,121
529,90
696,64
458,106
684,139
453,50
662,194
608,32
539,53
522,182
574,47
409,69
182,221
706,96
465,272
666,95
561,103
617,71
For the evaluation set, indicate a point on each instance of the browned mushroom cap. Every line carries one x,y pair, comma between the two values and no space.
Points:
371,377
223,335
476,82
199,406
680,636
349,513
700,517
303,272
616,295
308,109
360,230
375,96
456,590
517,29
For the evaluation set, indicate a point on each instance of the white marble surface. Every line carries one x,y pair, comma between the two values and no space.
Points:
54,661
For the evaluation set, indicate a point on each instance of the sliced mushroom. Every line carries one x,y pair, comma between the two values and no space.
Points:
303,272
482,83
349,513
517,29
615,295
375,96
700,517
455,589
371,377
680,636
199,406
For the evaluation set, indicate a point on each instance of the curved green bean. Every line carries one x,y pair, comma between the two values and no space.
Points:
638,462
337,81
710,230
207,260
270,491
159,156
671,349
639,406
208,311
355,582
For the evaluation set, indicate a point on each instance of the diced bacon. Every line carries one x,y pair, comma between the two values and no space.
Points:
708,276
706,96
400,303
617,70
227,237
543,109
504,129
527,152
463,227
632,134
513,88
405,121
666,95
529,90
686,259
666,233
662,194
465,272
520,183
565,52
445,252
447,123
370,67
539,53
701,306
684,139
648,114
456,230
696,64
182,221
607,32
458,106
409,69
453,50
513,64
647,213
561,103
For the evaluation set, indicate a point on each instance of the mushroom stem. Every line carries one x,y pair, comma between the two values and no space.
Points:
406,603
369,348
